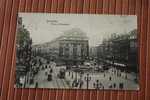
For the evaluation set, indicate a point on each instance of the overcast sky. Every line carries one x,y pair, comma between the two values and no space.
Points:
46,27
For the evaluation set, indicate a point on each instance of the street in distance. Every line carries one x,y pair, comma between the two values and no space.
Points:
77,51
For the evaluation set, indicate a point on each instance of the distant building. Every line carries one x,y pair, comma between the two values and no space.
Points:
133,51
93,52
120,51
70,48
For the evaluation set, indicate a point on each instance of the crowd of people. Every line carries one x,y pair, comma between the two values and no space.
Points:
77,79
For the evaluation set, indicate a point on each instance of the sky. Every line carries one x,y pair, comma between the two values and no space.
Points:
44,27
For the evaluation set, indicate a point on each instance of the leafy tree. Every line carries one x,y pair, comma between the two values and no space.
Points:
23,44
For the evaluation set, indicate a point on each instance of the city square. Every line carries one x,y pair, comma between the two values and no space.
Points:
77,57
104,81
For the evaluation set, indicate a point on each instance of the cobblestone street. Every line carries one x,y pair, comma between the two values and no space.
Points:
102,77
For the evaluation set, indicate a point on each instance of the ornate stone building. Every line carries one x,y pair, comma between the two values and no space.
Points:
121,52
70,48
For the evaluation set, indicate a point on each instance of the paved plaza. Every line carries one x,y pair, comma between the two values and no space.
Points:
108,79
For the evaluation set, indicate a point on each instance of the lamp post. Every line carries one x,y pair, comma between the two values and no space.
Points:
87,79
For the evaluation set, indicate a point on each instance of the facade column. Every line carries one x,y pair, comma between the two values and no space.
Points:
79,50
70,50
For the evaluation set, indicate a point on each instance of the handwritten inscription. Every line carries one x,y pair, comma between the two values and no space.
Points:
56,22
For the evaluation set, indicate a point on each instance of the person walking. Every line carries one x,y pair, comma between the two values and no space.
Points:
36,85
114,85
81,84
110,78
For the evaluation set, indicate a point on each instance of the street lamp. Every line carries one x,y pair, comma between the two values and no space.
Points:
87,79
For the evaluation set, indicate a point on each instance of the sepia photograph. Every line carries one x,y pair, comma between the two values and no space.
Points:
77,51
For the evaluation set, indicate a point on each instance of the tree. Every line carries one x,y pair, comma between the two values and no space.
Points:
23,44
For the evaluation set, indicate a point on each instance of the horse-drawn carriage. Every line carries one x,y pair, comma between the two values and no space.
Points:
61,73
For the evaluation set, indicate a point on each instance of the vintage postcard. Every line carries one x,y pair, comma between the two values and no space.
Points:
77,51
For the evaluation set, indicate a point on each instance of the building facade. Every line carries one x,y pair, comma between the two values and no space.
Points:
121,51
70,48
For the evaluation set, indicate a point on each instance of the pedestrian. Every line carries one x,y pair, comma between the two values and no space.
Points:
36,85
102,86
81,84
94,85
120,74
32,80
45,66
121,85
104,75
110,78
73,83
114,71
51,70
49,78
126,76
69,73
114,85
117,73
72,75
46,71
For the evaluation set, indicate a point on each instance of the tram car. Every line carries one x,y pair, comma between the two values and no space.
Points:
61,73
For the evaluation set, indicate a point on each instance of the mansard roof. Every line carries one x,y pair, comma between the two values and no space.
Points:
75,34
